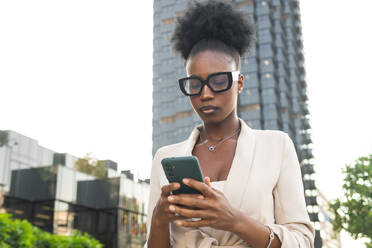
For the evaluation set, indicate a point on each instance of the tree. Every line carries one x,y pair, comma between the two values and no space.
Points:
353,213
91,166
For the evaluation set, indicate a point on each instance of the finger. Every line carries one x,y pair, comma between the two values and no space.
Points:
202,187
166,189
207,181
190,223
192,213
196,196
173,217
191,202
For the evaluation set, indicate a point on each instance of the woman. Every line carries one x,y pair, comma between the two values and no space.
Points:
253,192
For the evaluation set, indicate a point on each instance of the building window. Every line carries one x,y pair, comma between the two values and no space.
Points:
180,14
167,21
266,62
245,3
173,118
249,107
268,75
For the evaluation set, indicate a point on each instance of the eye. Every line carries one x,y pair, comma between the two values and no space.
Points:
219,82
194,84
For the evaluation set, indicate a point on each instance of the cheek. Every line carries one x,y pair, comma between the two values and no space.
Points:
230,98
194,102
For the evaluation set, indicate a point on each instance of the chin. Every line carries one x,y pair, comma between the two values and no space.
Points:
211,118
217,118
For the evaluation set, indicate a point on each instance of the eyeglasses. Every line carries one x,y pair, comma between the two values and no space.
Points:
217,82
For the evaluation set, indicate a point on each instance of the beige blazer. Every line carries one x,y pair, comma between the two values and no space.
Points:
264,182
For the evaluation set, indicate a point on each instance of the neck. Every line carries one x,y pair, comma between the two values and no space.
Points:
217,131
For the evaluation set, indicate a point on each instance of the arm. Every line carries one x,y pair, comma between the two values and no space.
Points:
159,214
293,226
253,232
159,229
216,212
157,233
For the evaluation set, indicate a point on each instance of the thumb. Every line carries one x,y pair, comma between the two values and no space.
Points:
207,181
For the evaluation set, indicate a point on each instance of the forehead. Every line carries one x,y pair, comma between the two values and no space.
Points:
204,63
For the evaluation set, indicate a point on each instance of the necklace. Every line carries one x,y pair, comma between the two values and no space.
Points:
212,148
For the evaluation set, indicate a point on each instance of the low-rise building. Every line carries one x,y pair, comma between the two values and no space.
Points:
59,199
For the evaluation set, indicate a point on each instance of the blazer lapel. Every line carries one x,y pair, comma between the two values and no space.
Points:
237,179
184,149
234,188
190,142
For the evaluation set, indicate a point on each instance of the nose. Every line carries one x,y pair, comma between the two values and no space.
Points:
206,93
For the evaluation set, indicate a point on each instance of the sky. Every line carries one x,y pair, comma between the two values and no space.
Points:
77,77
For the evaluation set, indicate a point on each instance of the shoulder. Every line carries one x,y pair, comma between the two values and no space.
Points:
170,150
264,136
272,141
270,135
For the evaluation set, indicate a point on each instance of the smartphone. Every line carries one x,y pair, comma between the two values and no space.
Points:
177,168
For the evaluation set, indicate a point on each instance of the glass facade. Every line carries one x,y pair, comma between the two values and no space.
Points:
274,96
21,152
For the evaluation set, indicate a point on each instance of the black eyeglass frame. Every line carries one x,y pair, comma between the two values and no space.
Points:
230,75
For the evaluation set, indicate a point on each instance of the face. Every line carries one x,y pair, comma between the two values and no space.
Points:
214,107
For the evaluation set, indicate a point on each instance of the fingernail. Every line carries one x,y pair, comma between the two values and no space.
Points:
185,180
170,198
178,222
200,197
172,208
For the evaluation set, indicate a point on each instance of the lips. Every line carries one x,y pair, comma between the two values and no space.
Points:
208,109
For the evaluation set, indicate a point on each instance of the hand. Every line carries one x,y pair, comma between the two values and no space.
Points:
213,208
162,213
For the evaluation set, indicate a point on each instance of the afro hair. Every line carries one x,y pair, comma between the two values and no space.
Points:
213,22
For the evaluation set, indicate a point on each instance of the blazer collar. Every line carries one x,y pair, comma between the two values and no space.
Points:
234,188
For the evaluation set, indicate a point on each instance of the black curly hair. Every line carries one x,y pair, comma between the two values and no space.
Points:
214,26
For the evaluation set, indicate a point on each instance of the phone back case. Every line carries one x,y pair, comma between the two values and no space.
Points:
177,168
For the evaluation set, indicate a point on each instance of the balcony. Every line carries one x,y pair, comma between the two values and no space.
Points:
296,107
306,139
307,153
314,217
305,108
311,200
309,184
306,124
307,169
303,92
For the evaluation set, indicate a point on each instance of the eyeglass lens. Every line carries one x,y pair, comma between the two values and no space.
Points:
217,83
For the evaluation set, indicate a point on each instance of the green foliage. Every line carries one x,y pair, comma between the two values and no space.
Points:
21,234
91,166
4,138
353,213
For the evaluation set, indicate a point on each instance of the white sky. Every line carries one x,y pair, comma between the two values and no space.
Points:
77,76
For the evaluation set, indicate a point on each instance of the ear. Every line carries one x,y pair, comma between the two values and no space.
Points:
240,83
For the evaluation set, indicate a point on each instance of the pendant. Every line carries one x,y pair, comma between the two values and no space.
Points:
212,148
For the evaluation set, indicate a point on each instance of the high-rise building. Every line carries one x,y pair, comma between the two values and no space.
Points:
274,96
